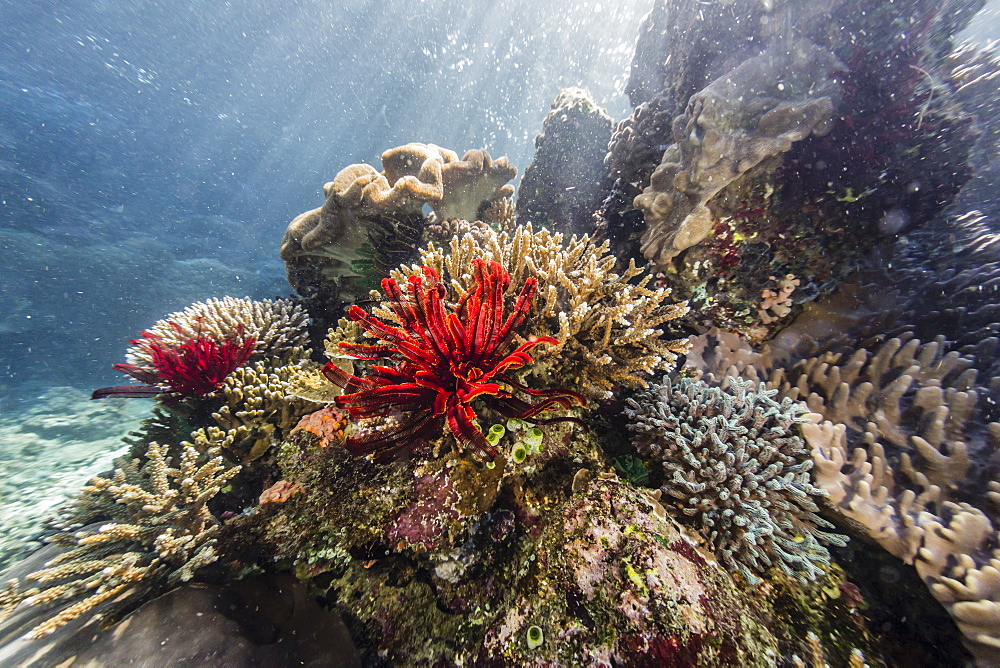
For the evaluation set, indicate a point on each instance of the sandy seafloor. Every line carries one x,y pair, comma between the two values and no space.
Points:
48,451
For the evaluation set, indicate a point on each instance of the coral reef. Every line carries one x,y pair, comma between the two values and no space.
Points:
191,352
608,326
144,530
896,458
895,440
607,591
434,559
442,362
562,186
761,166
739,469
260,408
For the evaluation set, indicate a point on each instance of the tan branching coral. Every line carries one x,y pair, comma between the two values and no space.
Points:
608,325
746,116
260,408
277,325
441,233
159,532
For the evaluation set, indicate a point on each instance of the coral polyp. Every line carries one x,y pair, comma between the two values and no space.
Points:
198,366
440,360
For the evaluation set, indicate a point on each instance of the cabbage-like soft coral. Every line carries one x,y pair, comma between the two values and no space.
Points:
199,365
439,362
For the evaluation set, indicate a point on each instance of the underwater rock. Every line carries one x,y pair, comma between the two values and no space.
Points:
562,186
432,558
267,620
885,153
754,112
612,583
682,46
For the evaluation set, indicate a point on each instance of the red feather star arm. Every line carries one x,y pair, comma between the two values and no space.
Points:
198,366
438,361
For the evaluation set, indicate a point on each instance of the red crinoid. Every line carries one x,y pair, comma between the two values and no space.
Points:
439,362
196,367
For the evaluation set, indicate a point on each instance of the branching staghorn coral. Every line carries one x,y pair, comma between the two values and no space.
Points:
738,467
160,532
608,326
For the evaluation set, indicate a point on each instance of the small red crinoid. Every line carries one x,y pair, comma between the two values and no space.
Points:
439,361
196,367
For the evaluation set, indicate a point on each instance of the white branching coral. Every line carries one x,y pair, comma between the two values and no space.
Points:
155,532
737,466
277,326
609,326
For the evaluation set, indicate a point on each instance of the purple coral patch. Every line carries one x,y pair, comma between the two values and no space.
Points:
423,524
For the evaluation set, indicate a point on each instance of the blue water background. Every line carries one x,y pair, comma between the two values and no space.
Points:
152,153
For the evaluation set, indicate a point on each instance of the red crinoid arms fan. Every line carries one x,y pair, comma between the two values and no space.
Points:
196,367
437,362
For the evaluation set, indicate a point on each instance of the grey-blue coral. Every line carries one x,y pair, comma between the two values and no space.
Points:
737,466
